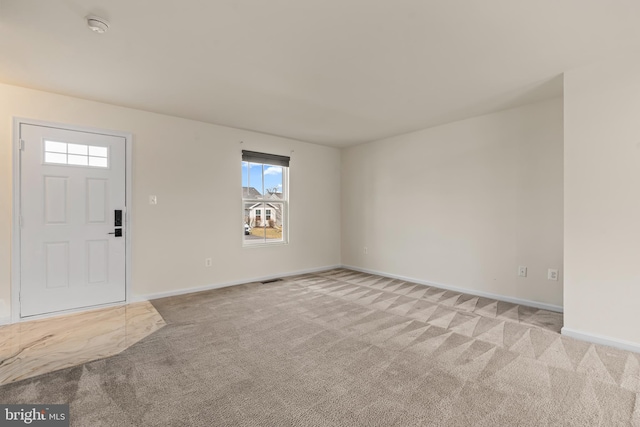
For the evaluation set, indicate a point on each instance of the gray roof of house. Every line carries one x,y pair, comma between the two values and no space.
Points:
273,196
251,193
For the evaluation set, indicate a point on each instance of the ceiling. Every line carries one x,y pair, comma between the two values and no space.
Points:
332,72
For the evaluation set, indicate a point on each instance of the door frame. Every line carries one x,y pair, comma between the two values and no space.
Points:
16,228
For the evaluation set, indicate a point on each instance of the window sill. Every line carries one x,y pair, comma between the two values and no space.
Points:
263,244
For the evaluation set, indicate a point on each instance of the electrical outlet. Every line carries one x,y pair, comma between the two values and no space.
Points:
366,250
522,271
552,274
208,262
153,200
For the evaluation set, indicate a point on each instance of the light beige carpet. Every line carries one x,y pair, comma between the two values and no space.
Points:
347,348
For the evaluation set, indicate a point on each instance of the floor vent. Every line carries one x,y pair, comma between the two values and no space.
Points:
265,282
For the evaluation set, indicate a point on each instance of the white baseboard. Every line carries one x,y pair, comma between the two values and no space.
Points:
148,297
5,320
475,292
600,339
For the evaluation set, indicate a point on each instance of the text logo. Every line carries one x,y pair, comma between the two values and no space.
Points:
34,415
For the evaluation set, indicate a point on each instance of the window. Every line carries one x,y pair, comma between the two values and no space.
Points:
62,153
264,192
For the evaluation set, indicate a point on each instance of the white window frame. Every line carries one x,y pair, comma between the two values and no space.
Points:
264,200
66,154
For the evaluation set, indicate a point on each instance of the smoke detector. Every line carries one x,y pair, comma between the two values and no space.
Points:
97,24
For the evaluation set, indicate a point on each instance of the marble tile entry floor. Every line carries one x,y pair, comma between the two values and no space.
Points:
45,345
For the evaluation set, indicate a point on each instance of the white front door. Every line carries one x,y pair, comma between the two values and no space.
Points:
71,185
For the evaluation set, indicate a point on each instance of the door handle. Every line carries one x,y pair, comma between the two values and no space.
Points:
117,232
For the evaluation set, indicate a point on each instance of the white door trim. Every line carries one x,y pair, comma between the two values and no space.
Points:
16,229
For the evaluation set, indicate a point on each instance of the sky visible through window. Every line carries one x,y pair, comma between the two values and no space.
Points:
252,177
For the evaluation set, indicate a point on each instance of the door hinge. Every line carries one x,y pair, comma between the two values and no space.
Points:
22,145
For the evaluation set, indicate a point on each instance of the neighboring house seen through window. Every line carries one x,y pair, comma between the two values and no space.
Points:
264,190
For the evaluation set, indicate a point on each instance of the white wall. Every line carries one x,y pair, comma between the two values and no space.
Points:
462,204
602,201
194,169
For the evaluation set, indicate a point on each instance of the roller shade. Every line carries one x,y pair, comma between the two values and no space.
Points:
270,159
